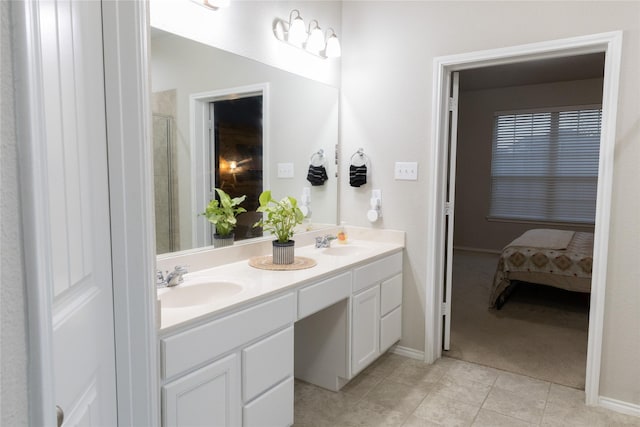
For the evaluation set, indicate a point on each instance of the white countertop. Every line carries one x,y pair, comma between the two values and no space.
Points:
258,284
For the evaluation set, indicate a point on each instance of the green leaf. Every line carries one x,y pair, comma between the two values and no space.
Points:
223,213
280,217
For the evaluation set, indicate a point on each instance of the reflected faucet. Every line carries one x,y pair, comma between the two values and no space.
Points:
324,241
174,278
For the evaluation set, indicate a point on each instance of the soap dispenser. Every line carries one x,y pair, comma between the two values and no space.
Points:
342,234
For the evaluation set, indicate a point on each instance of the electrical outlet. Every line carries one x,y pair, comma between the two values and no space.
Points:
406,171
285,170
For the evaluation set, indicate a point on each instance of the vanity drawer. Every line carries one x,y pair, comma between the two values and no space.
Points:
321,295
266,363
390,294
273,409
372,273
206,342
390,329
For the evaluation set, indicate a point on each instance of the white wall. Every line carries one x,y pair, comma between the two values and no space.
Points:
388,52
246,28
13,345
473,170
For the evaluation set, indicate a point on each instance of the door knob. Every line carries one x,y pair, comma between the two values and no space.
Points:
60,415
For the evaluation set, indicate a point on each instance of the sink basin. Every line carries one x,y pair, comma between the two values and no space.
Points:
202,292
346,250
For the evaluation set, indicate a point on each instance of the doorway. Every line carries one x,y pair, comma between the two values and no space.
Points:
235,156
526,158
436,311
235,121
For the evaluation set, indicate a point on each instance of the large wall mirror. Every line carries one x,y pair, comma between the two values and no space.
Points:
222,120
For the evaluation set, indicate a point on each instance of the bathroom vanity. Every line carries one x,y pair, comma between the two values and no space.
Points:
231,360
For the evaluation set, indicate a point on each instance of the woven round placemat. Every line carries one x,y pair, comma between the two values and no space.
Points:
266,263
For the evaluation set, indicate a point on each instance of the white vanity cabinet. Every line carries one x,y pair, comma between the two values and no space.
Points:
237,368
233,370
376,313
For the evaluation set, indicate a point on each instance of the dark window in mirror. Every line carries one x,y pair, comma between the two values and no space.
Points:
236,160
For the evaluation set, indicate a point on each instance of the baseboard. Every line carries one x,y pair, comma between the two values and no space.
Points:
470,249
407,352
619,406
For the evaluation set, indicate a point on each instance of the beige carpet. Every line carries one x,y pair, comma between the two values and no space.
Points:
540,332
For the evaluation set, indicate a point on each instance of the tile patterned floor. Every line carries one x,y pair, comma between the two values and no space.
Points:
398,391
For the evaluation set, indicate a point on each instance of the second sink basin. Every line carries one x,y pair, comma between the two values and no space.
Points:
344,250
201,291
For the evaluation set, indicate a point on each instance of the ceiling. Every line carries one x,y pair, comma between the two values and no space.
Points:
534,72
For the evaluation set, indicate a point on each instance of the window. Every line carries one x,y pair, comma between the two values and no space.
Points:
544,165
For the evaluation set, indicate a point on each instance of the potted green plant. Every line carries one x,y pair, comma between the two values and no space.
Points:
280,218
222,214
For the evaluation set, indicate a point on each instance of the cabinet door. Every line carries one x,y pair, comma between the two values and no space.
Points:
365,333
209,396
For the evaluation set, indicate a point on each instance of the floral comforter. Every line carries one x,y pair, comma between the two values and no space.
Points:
563,267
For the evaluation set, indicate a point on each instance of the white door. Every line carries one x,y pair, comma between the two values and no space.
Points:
454,79
76,196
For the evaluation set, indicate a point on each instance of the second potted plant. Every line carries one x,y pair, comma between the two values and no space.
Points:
222,214
280,218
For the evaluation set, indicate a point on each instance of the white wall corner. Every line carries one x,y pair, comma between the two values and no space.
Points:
128,110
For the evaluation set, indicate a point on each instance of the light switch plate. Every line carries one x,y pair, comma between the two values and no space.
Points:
285,170
406,171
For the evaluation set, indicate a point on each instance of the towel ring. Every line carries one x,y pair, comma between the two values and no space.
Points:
317,158
359,158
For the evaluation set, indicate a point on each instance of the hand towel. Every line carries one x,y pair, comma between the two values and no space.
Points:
317,175
357,175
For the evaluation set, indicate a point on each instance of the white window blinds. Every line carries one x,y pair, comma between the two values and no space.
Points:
545,165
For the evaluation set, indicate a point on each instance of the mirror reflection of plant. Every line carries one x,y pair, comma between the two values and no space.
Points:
279,217
222,213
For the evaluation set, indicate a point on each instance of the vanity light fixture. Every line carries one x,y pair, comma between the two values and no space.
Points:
310,39
212,4
296,34
315,43
333,45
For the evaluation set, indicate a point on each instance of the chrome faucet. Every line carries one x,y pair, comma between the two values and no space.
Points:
174,278
324,241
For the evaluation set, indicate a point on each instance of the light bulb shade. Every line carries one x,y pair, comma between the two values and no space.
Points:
297,34
333,47
315,42
212,4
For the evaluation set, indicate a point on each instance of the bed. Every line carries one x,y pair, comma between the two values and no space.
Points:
558,258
